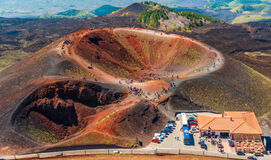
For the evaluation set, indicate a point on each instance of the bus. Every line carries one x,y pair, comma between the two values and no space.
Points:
186,135
184,119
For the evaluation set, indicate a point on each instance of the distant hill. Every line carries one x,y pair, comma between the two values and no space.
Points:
168,19
73,13
105,10
246,10
133,10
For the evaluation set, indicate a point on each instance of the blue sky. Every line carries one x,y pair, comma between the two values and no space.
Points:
17,8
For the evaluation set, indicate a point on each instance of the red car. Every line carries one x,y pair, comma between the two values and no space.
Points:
193,124
155,140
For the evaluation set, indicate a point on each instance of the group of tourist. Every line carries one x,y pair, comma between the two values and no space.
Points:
135,91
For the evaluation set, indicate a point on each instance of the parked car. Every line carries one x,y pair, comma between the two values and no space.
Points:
258,154
213,142
155,140
157,134
193,125
203,146
221,150
172,126
194,114
201,142
116,152
160,139
171,122
169,129
231,143
194,129
219,145
163,134
240,153
251,157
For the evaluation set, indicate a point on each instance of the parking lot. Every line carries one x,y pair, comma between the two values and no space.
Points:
176,140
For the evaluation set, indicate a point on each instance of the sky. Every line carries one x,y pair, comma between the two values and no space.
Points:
25,8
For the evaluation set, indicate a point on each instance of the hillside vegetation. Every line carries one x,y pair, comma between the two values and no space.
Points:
158,15
235,87
247,10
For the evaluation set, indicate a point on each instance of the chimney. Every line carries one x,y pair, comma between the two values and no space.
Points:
231,119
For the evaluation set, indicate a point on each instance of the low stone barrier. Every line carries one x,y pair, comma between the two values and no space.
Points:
74,153
27,156
50,154
215,154
97,151
8,157
197,152
122,151
144,151
168,151
190,151
235,156
185,151
128,151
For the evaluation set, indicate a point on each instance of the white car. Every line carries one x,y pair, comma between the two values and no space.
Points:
116,152
157,134
160,139
164,135
194,129
195,115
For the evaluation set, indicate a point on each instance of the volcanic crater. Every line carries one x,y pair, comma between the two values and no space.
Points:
135,53
63,107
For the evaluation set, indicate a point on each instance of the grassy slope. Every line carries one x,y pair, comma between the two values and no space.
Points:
249,18
250,11
235,87
8,58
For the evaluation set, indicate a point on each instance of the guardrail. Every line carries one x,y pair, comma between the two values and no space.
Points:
169,151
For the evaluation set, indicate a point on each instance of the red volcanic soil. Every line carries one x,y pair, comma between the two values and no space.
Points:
152,85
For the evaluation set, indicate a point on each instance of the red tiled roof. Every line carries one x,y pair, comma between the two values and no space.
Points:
233,122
